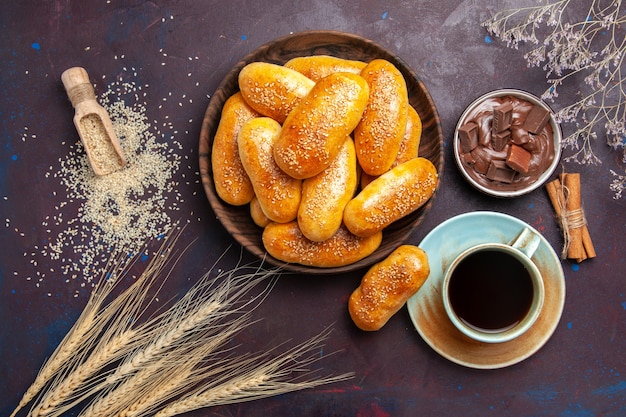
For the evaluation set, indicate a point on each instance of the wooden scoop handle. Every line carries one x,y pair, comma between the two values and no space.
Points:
77,84
93,123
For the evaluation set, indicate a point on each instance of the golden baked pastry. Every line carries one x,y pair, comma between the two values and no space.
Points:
378,135
317,67
393,195
273,90
231,181
325,195
386,287
278,194
285,242
317,127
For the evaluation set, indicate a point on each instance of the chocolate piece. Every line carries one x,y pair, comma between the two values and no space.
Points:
518,159
541,146
468,135
481,160
502,117
468,158
499,140
484,137
536,120
499,171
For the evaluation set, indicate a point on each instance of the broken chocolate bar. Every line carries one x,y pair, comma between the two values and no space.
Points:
518,159
500,126
481,160
468,158
536,120
499,171
499,140
502,117
468,135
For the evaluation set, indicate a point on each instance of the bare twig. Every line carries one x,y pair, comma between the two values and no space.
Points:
592,47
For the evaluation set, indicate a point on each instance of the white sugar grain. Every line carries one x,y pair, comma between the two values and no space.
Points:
120,210
92,216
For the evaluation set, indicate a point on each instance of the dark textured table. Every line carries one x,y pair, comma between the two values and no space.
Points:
179,51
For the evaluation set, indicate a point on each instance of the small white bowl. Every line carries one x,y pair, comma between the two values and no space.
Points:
496,188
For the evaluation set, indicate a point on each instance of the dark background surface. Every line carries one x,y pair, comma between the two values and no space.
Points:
183,49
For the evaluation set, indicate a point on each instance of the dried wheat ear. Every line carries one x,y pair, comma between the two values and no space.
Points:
121,360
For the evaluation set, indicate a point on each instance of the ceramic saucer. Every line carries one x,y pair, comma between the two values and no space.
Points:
426,309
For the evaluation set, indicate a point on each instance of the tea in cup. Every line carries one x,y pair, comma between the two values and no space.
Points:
494,292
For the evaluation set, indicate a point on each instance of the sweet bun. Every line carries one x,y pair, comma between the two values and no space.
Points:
273,90
387,286
409,146
317,127
317,67
285,242
278,194
231,181
378,135
393,195
256,212
325,195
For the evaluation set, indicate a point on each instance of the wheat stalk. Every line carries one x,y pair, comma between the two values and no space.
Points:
192,331
195,318
173,381
133,364
55,401
110,334
88,324
147,387
121,396
72,343
250,380
189,332
192,318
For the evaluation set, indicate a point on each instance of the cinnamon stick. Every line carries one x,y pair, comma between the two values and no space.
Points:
565,196
571,182
554,193
590,251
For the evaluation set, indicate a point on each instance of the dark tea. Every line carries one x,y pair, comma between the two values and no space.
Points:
490,290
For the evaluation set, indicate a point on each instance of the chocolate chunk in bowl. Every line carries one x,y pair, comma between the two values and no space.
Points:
236,219
507,143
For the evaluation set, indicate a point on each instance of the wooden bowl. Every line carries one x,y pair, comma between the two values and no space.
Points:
237,220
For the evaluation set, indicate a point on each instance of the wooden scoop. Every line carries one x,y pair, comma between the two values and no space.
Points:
93,123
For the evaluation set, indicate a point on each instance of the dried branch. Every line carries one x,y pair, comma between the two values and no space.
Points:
592,47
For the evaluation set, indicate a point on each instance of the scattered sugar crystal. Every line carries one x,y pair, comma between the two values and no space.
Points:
115,212
94,218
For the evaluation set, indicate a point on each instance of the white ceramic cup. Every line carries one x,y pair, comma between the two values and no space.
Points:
494,292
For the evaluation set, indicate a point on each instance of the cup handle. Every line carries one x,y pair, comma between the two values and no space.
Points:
527,242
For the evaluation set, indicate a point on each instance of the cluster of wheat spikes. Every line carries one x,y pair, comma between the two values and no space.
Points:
120,360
